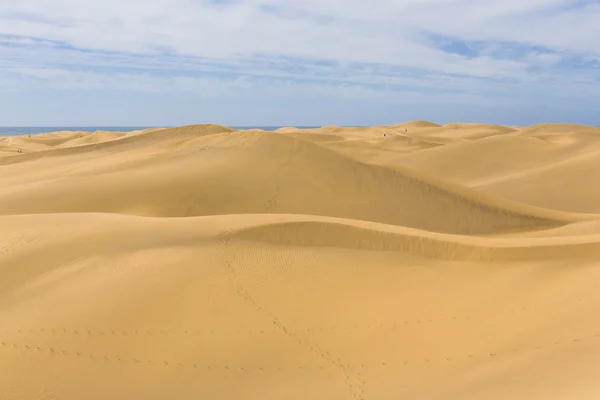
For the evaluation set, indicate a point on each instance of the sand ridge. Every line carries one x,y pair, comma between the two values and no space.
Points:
410,261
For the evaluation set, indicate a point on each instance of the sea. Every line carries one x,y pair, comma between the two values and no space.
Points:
16,131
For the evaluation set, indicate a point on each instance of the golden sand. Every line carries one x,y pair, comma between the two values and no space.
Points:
414,261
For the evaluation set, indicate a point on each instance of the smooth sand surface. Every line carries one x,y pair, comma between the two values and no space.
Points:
413,261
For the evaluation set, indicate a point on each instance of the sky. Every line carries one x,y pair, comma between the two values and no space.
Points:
298,62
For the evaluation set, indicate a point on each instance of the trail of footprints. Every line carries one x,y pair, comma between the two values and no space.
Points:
322,329
21,241
350,374
353,374
133,361
271,204
7,345
243,139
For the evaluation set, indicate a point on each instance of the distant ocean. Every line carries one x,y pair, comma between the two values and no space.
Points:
15,131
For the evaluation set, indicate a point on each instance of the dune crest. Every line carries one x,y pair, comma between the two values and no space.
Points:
419,124
411,261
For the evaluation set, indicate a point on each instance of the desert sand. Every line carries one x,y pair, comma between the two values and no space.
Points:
457,261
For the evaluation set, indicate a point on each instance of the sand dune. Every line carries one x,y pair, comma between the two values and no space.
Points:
418,124
550,166
291,169
96,137
455,161
435,262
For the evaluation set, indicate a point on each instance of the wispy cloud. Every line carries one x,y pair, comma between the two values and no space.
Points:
466,50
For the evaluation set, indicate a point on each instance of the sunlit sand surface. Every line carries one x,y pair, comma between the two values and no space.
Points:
414,261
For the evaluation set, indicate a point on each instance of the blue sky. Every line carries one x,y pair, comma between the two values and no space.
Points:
298,62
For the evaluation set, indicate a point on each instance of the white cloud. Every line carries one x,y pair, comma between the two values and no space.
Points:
241,87
380,42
